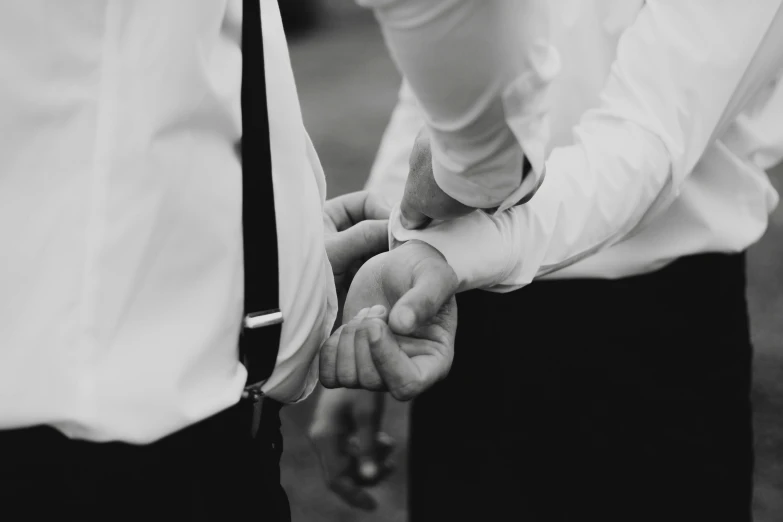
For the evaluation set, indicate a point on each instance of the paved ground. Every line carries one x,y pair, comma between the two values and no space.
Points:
348,85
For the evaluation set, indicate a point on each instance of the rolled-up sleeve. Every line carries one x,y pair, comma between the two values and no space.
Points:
684,71
480,72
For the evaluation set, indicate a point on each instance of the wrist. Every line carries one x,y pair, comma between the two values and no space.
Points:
476,247
423,245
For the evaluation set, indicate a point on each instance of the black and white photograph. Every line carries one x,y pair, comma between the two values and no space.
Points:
391,260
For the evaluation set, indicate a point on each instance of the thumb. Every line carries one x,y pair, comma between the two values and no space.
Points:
434,283
410,217
398,372
414,198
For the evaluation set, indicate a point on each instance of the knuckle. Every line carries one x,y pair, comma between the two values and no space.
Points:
346,372
370,380
369,231
430,305
407,391
327,377
402,395
326,373
346,377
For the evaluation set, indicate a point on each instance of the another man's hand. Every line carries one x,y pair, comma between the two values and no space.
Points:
424,200
356,229
404,351
354,453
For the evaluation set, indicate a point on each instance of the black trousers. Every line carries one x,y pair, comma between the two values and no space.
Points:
579,400
212,471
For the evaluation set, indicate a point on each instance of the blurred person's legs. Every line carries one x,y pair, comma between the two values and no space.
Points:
594,400
213,470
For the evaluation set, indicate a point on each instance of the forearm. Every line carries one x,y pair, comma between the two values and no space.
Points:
591,199
390,168
684,72
478,70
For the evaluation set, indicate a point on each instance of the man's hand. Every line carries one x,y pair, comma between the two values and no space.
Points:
407,350
424,200
356,229
354,453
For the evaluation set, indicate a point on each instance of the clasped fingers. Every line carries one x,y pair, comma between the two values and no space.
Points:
346,361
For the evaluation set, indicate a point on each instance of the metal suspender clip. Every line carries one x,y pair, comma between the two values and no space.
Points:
262,319
253,391
256,398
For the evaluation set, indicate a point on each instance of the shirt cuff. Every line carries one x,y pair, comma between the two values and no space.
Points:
474,245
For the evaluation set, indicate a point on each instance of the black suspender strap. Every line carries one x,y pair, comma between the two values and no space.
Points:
260,338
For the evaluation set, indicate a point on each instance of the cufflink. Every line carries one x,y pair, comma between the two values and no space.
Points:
262,319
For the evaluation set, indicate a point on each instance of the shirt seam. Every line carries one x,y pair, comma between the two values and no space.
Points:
96,225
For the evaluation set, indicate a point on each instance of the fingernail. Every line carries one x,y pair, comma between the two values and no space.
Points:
384,439
362,313
377,311
368,469
406,318
374,332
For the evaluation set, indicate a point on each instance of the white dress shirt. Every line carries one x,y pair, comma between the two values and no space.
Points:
121,281
663,117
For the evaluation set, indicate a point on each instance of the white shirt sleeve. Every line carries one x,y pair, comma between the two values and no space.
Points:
683,72
480,71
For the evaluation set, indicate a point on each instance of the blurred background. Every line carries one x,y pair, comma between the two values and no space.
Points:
348,86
